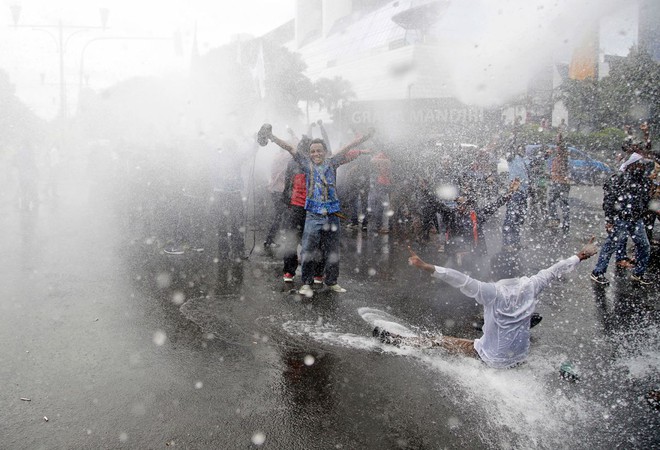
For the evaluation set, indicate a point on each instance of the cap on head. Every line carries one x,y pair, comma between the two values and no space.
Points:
632,159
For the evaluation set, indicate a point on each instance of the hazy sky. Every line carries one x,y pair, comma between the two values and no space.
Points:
485,36
32,59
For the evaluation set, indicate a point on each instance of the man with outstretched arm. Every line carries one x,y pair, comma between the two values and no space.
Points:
508,306
320,239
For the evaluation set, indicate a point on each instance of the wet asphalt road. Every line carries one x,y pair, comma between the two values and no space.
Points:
122,346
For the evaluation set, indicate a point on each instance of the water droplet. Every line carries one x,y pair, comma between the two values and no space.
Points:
258,438
159,337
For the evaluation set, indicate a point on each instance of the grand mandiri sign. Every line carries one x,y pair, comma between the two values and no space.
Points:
414,112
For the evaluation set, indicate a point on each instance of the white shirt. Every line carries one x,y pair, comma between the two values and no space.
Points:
508,305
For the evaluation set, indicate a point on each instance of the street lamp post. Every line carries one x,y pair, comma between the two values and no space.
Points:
61,42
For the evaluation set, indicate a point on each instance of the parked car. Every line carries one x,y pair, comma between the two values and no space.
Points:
583,168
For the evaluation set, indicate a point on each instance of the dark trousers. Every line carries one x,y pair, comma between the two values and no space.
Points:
295,225
229,213
279,208
514,218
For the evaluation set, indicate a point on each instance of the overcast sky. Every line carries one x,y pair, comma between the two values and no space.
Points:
32,60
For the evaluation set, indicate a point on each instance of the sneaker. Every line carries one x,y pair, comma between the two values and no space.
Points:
336,288
386,337
318,280
306,290
288,277
173,250
535,320
599,278
641,279
268,245
364,228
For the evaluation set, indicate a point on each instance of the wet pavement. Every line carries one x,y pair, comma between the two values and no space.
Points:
119,345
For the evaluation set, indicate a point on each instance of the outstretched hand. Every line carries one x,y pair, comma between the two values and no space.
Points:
418,262
588,250
514,186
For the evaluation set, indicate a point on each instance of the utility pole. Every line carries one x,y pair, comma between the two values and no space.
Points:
61,40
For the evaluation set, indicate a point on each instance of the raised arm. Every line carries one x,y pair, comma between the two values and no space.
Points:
545,276
283,144
294,139
357,141
483,293
491,208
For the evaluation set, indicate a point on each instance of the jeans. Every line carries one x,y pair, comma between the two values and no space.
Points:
559,193
620,232
514,218
378,198
320,242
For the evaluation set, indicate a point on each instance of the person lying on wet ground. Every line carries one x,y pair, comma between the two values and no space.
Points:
508,307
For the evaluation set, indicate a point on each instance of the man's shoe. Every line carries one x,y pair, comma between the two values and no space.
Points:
269,245
336,288
263,136
641,279
288,277
535,320
599,278
306,290
386,337
173,250
318,280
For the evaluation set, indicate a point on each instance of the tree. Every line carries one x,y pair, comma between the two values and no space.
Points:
581,99
17,121
632,90
333,92
629,93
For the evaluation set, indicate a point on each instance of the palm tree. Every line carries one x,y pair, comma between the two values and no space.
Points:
332,93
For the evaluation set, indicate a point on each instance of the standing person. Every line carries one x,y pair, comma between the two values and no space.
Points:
517,206
464,223
320,241
295,191
508,307
276,187
354,190
560,187
625,201
652,172
381,183
538,188
28,176
228,207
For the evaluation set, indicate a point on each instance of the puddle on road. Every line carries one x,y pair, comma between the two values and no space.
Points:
523,407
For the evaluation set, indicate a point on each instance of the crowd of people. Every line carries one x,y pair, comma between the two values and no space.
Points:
429,194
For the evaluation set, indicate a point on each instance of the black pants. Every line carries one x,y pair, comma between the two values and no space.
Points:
295,225
230,216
